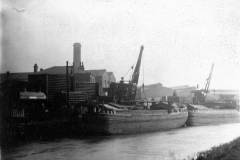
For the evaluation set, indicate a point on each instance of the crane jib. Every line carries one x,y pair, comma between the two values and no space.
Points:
136,72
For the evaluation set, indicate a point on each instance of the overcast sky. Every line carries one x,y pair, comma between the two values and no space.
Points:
181,38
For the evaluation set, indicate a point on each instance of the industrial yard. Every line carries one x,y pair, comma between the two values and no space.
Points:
115,79
70,101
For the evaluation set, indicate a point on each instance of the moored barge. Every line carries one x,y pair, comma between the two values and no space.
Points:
208,116
134,121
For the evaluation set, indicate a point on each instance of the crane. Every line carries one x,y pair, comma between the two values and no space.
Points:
208,80
200,95
126,92
136,72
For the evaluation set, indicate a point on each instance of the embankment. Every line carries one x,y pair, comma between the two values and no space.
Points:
228,151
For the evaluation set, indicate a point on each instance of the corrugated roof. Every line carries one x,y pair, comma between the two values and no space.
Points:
62,70
56,70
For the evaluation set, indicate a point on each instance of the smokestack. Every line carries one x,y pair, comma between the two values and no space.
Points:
35,68
76,57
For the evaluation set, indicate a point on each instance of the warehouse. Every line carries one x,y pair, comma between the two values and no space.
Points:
74,80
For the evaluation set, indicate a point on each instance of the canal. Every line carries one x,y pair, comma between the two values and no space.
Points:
170,145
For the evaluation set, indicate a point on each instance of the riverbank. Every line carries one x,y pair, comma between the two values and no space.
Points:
227,151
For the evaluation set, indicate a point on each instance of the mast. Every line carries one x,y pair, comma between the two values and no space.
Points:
136,72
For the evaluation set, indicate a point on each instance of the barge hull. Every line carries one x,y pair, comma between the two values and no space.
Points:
134,123
212,117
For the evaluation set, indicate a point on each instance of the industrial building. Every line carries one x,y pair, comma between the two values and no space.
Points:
78,83
71,81
104,79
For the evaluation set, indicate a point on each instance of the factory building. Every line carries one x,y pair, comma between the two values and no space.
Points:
184,93
74,80
80,75
104,79
55,85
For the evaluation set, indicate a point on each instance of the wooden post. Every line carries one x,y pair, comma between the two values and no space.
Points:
67,79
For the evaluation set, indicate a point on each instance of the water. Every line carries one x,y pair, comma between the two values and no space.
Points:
169,145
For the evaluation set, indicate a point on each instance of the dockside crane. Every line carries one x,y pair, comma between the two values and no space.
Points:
208,80
125,93
136,72
200,95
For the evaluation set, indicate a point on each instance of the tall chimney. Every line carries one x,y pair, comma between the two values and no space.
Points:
76,57
35,68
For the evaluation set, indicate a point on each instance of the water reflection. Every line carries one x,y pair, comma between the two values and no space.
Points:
174,144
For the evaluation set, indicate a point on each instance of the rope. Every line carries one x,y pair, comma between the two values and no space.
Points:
131,68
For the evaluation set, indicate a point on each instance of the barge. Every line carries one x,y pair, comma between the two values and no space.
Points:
133,117
208,116
133,121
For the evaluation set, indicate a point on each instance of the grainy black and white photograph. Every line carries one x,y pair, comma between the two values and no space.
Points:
120,80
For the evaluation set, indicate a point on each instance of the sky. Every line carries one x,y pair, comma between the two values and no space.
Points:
181,38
